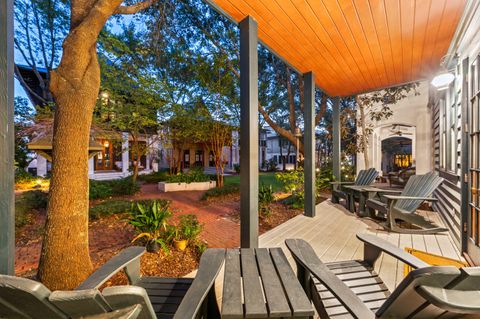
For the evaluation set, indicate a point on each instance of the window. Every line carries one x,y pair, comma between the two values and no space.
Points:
449,129
474,149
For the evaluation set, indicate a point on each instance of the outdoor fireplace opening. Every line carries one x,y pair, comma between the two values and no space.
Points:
396,154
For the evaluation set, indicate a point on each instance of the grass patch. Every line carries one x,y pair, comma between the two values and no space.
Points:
266,178
222,191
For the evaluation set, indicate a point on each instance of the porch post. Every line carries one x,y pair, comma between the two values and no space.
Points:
336,139
309,143
248,133
7,212
125,154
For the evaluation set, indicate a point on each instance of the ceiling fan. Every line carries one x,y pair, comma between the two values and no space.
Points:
397,130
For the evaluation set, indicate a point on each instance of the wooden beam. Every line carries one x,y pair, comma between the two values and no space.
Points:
337,173
7,213
248,133
309,143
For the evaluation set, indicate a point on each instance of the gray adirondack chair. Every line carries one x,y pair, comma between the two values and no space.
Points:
418,189
352,289
145,298
364,178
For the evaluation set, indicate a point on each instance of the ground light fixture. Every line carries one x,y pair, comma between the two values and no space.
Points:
442,80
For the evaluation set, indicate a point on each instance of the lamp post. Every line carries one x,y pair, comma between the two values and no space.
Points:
298,134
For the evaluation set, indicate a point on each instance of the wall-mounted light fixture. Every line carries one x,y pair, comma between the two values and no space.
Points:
442,80
445,76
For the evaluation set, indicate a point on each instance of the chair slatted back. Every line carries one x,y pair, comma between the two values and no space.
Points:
418,186
366,177
24,298
435,292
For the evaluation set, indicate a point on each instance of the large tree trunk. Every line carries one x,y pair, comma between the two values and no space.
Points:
364,136
65,260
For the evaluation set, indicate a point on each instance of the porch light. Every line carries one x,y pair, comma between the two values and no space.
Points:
443,80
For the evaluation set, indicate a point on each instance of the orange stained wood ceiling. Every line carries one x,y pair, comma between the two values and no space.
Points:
354,46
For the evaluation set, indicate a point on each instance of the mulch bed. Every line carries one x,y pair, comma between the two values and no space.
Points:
108,236
279,212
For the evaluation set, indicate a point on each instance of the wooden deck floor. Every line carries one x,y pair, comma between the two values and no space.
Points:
332,235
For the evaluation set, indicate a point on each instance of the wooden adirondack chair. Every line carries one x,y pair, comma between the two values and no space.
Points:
418,189
145,298
364,178
352,289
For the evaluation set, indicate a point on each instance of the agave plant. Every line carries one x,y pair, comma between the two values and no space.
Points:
151,221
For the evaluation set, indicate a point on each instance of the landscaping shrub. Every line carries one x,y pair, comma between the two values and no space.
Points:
194,175
100,189
26,203
272,165
236,167
221,191
265,198
154,177
22,176
324,177
118,187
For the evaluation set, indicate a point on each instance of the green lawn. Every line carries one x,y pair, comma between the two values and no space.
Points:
265,178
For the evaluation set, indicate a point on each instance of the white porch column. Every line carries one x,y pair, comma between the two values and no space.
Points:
148,156
91,166
41,166
125,157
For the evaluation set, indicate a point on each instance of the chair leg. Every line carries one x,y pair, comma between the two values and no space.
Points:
334,198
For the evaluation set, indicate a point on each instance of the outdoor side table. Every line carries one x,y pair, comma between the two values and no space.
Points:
368,192
260,283
350,190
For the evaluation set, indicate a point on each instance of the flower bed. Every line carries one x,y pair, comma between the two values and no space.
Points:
195,186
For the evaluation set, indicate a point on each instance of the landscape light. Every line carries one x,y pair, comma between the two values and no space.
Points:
442,81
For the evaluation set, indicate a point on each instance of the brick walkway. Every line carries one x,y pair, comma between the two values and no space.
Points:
219,230
110,234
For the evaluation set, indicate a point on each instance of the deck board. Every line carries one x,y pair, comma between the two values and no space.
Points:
332,235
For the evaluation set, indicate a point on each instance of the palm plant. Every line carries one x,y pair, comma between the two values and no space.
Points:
150,221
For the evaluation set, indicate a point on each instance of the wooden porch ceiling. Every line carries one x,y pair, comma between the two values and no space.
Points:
354,46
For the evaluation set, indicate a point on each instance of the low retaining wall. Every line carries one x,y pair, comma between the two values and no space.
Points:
177,187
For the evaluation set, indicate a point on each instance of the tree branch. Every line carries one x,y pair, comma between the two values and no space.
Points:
135,8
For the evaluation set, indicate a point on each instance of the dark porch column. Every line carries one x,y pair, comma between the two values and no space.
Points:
309,143
7,214
248,133
336,139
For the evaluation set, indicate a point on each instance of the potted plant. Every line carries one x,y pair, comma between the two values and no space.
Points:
150,221
179,242
187,231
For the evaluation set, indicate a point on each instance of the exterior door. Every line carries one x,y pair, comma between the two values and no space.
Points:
104,159
473,240
199,158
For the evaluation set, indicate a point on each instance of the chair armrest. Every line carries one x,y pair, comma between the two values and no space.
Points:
128,259
210,264
306,258
398,197
456,301
375,245
342,183
131,312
